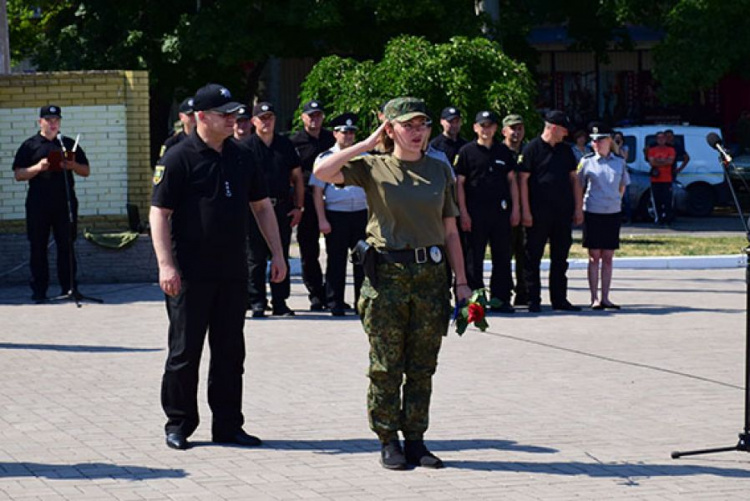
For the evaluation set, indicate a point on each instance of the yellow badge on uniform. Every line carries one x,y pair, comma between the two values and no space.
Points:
158,174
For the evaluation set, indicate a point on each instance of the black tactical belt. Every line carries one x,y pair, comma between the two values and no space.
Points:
433,254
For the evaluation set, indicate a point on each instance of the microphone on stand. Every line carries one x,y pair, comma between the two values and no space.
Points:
714,141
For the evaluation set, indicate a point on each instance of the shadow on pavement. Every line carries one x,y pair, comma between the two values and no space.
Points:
86,471
74,348
361,445
626,471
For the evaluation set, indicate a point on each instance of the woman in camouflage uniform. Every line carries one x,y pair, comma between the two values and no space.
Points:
405,306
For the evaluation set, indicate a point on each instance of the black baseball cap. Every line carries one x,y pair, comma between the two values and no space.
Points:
186,106
243,113
263,107
557,117
51,110
450,113
215,97
344,122
312,106
486,116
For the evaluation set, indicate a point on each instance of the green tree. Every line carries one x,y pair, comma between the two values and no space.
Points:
472,74
184,44
705,41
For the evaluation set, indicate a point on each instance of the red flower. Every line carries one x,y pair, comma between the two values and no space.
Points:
476,313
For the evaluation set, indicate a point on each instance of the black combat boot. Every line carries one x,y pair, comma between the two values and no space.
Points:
392,456
418,455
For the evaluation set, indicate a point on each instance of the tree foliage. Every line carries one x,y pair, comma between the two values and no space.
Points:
705,40
471,74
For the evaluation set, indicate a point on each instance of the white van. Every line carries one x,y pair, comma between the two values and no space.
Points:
698,188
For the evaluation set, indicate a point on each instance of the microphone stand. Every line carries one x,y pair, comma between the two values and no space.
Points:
744,442
73,294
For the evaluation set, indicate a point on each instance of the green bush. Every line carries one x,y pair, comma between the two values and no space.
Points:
471,74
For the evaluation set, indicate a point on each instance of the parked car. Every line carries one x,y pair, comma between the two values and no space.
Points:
698,188
739,174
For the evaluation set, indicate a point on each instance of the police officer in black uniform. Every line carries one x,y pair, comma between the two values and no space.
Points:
489,206
243,126
449,142
277,159
311,142
202,188
40,161
550,203
187,117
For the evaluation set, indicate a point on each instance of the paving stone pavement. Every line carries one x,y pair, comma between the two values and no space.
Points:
550,406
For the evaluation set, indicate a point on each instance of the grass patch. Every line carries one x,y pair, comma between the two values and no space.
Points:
658,245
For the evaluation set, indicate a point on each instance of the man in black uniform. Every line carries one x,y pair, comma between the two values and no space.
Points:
187,117
311,142
488,205
243,126
449,142
40,161
550,201
279,163
202,189
513,132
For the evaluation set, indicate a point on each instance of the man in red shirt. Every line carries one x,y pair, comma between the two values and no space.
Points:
661,157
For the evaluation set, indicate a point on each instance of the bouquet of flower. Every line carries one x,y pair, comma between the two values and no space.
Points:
472,311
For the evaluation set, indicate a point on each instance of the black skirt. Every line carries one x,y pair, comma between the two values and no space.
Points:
601,231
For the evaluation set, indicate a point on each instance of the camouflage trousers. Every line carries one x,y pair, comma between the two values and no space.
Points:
405,318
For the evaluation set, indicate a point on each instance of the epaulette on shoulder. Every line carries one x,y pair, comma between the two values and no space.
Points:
589,155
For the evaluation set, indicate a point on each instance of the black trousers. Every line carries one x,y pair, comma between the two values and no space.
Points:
219,308
308,238
495,230
557,229
258,255
40,218
347,228
663,201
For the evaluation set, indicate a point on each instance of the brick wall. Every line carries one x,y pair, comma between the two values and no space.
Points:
109,109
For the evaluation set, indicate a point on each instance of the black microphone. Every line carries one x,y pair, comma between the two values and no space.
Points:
714,141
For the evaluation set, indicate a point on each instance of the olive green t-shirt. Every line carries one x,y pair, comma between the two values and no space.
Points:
407,201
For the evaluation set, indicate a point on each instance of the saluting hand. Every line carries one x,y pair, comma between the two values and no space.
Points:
372,141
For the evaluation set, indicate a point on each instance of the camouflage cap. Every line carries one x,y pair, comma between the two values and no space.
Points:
402,109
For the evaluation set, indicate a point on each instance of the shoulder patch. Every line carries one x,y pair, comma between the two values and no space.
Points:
158,174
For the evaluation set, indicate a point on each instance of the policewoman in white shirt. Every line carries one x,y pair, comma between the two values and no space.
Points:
603,176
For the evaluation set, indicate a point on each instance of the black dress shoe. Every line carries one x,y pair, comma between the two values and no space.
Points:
338,311
503,308
239,438
39,298
259,312
317,305
535,308
418,455
566,306
282,311
611,306
392,456
177,441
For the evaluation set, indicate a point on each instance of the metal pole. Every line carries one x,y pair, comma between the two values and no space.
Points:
4,39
